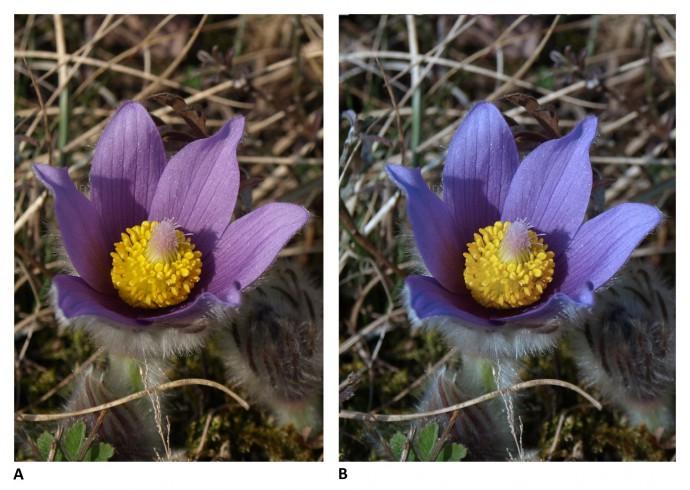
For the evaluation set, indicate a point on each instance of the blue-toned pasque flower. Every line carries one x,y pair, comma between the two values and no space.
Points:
153,246
506,249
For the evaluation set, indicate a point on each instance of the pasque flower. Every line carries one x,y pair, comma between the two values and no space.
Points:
506,249
154,245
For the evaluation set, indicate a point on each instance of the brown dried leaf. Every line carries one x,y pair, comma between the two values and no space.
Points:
192,114
528,140
349,386
545,115
180,136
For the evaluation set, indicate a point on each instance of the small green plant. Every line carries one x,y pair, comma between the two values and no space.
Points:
426,446
74,446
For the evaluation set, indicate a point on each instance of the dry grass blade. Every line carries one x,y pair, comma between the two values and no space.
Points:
370,417
29,417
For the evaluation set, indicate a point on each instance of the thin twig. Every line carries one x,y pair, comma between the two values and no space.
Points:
28,417
441,441
527,64
417,382
39,95
561,419
604,160
408,443
417,93
351,228
391,96
92,436
54,443
345,346
77,370
154,87
369,417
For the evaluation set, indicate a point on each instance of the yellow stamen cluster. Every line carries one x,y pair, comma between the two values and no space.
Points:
155,265
507,266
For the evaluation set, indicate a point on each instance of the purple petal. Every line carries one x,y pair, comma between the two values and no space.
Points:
551,187
482,159
551,308
76,298
249,245
433,228
428,298
194,309
127,164
80,227
603,244
198,189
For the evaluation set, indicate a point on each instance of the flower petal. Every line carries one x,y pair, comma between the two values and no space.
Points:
80,227
249,245
433,228
551,188
128,161
482,159
603,244
428,298
553,308
194,309
198,189
76,298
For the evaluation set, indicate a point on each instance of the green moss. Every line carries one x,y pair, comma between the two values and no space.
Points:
239,435
588,435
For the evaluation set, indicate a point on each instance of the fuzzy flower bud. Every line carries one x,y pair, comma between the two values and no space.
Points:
484,429
133,428
626,345
273,345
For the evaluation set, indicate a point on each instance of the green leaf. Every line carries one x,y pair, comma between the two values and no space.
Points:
426,441
43,442
452,453
397,444
73,440
424,444
99,452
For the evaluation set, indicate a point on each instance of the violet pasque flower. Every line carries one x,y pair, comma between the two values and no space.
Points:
153,245
506,248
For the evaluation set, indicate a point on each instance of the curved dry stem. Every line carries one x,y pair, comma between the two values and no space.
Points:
28,417
369,417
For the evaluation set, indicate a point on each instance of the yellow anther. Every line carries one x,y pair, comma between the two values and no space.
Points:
507,265
155,265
